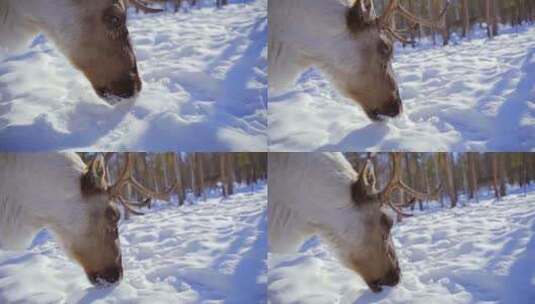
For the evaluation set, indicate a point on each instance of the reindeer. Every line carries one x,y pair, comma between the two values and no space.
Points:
321,194
57,191
91,34
352,46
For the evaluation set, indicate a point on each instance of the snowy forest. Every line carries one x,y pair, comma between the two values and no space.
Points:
473,241
199,235
180,5
198,67
463,85
457,174
188,176
461,17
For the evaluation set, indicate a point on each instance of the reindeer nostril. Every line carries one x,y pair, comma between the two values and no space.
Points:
375,286
108,276
373,115
102,92
92,278
134,69
112,275
391,278
393,109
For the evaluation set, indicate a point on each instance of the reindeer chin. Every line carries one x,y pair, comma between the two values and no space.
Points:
114,99
99,282
105,279
375,287
375,116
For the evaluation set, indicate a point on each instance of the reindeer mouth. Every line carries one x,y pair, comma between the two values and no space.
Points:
391,280
375,286
114,99
374,115
127,88
107,278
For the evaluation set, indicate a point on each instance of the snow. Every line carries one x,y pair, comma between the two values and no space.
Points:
472,95
204,89
207,252
476,253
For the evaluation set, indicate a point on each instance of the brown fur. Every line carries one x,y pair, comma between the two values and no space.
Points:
376,90
376,262
103,51
99,251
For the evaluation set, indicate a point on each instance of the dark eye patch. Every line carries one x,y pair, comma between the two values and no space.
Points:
113,232
386,221
114,18
385,49
112,214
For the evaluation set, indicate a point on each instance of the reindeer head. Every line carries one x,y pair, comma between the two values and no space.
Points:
94,37
94,241
97,248
362,69
373,255
91,237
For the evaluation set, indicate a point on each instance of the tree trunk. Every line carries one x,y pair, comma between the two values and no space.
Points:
200,176
465,17
179,186
224,173
230,173
501,174
446,167
473,174
495,175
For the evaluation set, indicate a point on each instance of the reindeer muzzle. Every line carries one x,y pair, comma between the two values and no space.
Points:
107,277
127,87
394,108
390,279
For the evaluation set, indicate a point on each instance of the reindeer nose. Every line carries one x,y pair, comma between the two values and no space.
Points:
108,276
392,277
113,275
127,87
394,108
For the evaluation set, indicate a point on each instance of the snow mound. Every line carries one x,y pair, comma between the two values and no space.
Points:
479,253
209,252
204,89
475,95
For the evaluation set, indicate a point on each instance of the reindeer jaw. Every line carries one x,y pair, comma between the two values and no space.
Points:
375,287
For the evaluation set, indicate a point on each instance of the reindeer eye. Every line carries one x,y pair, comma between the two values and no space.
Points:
112,214
113,21
386,221
114,232
385,49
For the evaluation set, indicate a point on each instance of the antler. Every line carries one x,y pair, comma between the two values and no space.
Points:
395,6
126,177
396,183
143,7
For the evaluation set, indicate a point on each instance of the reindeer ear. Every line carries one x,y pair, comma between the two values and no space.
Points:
363,190
359,15
95,179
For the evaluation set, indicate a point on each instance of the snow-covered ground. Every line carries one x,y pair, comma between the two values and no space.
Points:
209,252
204,88
479,253
474,95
